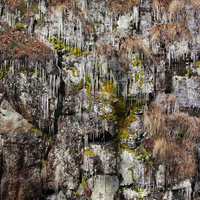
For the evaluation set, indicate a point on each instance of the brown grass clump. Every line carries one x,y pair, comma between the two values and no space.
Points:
161,3
17,45
179,159
130,45
175,9
172,139
188,126
117,6
196,3
134,44
171,99
170,32
107,50
88,28
154,119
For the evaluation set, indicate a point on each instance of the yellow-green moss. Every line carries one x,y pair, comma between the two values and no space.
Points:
19,26
59,43
83,181
77,151
50,140
109,88
89,106
36,130
22,7
97,22
76,193
43,163
21,131
3,73
34,8
90,153
79,86
137,76
188,71
139,193
137,62
124,145
197,63
74,72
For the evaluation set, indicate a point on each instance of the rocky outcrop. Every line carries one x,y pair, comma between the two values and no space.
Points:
99,100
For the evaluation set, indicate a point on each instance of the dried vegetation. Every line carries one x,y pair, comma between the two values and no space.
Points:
107,50
175,10
170,32
117,6
69,4
171,139
18,45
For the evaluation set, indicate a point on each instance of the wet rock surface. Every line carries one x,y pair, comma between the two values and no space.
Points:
99,100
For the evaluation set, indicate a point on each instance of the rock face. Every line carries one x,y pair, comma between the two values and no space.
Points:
11,121
21,161
99,100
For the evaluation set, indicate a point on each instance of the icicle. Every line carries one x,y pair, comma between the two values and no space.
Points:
47,112
55,104
50,80
54,84
136,15
44,106
42,76
86,140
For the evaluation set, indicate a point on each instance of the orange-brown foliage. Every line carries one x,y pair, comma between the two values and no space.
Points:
20,45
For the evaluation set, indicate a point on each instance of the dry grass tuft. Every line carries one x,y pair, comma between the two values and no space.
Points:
107,50
154,119
172,139
178,156
170,32
130,45
161,149
196,3
117,6
188,126
171,99
88,28
175,10
160,7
